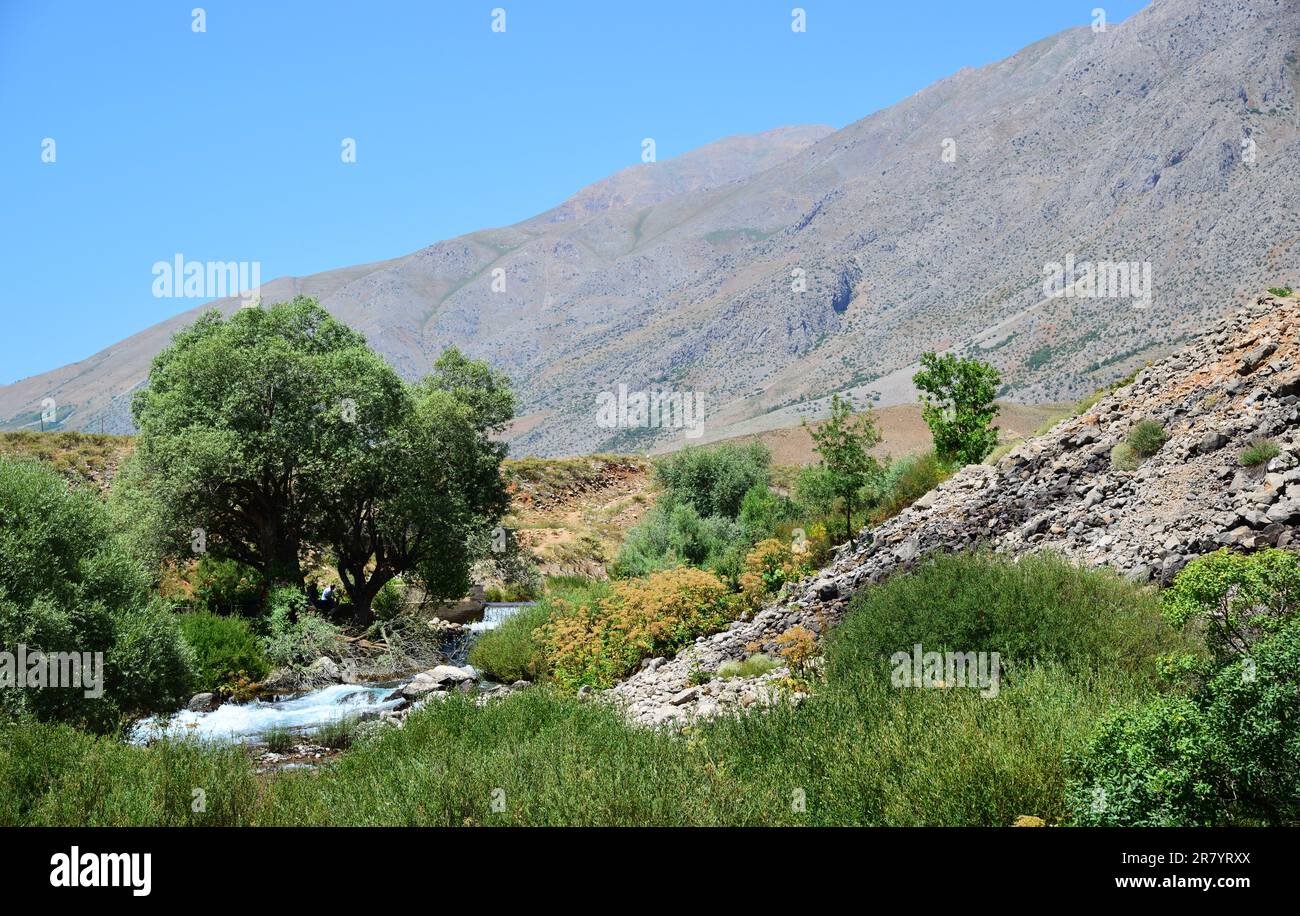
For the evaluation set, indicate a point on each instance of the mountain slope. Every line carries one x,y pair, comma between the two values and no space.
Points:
1125,146
1061,492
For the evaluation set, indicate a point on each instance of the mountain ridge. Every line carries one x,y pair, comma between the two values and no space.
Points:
1126,145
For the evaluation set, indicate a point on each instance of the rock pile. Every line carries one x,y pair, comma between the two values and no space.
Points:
1236,385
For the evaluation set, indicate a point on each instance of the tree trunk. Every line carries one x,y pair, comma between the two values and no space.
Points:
362,591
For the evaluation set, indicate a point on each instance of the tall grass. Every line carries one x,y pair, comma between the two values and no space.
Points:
857,752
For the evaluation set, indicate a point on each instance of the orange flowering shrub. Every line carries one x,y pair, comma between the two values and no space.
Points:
798,646
596,644
768,566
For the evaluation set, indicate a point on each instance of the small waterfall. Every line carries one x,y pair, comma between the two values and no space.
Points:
496,614
247,722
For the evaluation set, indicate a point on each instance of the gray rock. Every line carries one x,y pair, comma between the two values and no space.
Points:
1255,358
203,702
685,696
1211,442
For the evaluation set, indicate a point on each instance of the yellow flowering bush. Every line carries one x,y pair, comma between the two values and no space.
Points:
798,646
768,566
598,643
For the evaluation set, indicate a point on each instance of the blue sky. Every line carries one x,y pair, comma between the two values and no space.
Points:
225,145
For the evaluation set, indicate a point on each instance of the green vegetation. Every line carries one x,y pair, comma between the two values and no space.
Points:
1280,291
1040,610
294,635
279,740
754,666
277,429
846,467
83,457
905,481
1146,438
715,502
957,397
595,645
1258,453
68,585
1228,753
226,651
338,734
996,759
514,650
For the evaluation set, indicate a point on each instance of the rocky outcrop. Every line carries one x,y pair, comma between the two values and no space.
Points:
1235,385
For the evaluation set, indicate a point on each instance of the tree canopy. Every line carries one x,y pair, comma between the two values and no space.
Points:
957,396
277,429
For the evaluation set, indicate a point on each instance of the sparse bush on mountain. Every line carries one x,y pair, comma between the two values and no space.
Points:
1146,438
1258,453
754,666
1280,291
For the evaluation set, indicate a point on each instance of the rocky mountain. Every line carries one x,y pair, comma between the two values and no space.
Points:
764,273
1234,386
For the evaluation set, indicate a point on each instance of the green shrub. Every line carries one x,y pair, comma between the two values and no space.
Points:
337,734
906,481
279,740
596,644
68,585
1041,609
713,481
226,650
1281,291
762,511
514,650
670,536
227,586
754,666
1227,755
1258,453
1123,458
1146,438
1233,598
390,601
296,636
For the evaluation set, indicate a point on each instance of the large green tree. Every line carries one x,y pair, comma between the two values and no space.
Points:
239,424
957,397
277,429
418,485
847,468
